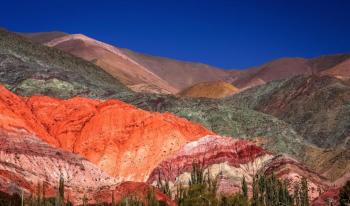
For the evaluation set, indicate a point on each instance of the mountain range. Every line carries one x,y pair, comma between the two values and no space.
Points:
146,73
110,120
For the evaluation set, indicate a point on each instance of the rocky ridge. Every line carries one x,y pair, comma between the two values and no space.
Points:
229,160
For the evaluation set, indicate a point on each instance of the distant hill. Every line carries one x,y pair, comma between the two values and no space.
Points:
141,73
180,74
214,89
334,65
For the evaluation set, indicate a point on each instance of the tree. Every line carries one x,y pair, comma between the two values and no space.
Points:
270,191
296,194
10,200
255,199
244,188
201,189
85,201
163,186
61,191
304,192
344,195
38,194
113,200
262,190
237,199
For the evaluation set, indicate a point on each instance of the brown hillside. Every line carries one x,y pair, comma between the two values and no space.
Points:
214,89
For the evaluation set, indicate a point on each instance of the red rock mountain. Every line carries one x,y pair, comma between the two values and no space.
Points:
122,140
26,161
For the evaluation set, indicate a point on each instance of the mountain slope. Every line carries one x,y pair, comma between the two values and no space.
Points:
124,141
43,37
215,90
142,73
317,107
180,74
277,69
340,71
30,68
26,162
112,60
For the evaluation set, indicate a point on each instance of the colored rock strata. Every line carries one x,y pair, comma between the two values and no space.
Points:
229,160
124,141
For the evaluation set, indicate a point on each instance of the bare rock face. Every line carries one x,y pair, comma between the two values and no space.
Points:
329,197
122,140
229,160
26,161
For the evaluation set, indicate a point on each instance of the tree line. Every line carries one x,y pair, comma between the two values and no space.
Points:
266,191
201,190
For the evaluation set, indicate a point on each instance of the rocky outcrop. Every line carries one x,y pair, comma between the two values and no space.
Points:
123,140
26,161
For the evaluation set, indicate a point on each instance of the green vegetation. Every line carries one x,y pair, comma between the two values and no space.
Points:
10,200
270,191
40,199
135,201
244,188
267,190
202,190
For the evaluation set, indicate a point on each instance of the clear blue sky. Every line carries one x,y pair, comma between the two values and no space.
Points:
229,34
